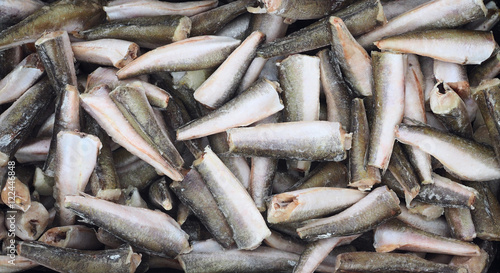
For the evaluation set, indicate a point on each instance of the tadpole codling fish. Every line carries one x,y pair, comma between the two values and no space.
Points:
249,135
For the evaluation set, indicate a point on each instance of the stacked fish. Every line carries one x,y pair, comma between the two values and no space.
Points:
249,136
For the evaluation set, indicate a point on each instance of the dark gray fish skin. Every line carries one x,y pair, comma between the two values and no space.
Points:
304,9
362,16
487,97
150,231
337,94
403,171
194,193
137,174
54,49
361,176
486,213
9,58
104,182
120,260
311,37
148,32
486,70
17,122
159,194
358,218
326,174
68,15
134,105
365,262
12,12
209,22
262,259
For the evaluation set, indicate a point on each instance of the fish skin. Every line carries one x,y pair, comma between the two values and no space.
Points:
142,8
72,16
19,119
355,219
463,158
181,56
448,45
390,262
149,32
120,260
151,231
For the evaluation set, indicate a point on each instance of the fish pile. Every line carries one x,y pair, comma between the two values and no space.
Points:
249,135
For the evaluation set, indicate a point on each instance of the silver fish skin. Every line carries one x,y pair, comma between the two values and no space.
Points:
248,225
100,106
14,11
33,151
431,15
222,84
21,264
465,159
141,8
355,219
159,233
394,8
21,78
462,46
394,235
437,226
388,73
292,140
258,102
181,56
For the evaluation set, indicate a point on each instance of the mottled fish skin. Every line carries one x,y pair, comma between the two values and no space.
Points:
337,94
211,21
248,226
258,102
362,16
402,170
465,159
388,74
326,174
135,107
354,61
449,45
390,262
104,181
222,84
159,234
361,176
486,213
193,192
149,32
450,109
72,15
262,259
485,71
120,260
19,119
460,222
100,106
355,219
487,97
262,171
181,56
287,140
431,15
303,9
140,8
395,235
14,11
